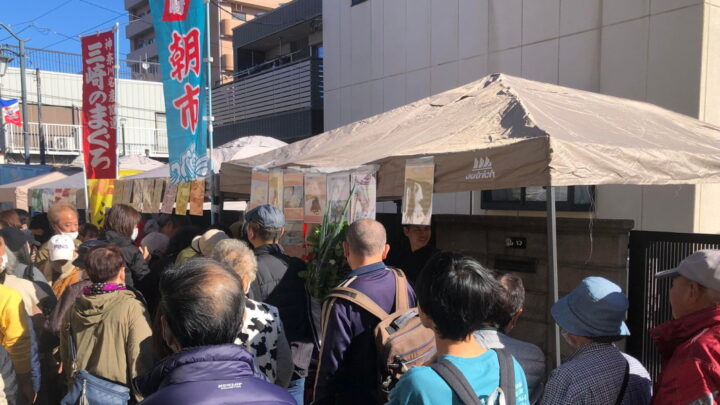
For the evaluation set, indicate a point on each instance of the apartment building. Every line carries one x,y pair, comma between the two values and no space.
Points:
277,89
224,16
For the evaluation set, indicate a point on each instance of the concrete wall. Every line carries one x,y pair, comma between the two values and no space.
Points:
380,55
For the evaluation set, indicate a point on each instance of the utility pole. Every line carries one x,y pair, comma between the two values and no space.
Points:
23,90
41,130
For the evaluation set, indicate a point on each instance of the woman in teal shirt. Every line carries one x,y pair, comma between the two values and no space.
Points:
456,296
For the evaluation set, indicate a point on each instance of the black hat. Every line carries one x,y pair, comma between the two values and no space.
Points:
83,250
15,238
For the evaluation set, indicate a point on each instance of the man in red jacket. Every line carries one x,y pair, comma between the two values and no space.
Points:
690,343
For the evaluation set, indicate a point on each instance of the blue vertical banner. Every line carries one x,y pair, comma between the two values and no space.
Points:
180,32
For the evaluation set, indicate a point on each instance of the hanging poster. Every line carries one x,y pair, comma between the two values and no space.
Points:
180,33
362,204
118,191
258,188
48,198
418,195
157,196
197,197
315,197
338,192
169,198
127,192
293,240
137,194
99,135
275,188
35,200
147,198
183,196
293,197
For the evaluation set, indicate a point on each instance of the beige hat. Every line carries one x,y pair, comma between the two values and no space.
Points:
205,243
61,247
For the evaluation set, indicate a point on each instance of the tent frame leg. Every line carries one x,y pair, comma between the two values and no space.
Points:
553,328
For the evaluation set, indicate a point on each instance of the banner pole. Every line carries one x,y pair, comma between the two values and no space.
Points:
117,97
213,200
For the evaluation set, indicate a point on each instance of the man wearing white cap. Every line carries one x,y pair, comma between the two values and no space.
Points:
690,343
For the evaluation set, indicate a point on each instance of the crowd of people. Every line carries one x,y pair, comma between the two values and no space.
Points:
158,311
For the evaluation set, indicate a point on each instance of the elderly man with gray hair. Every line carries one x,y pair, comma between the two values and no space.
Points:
690,343
262,332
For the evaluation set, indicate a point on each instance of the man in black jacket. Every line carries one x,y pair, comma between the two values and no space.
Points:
278,283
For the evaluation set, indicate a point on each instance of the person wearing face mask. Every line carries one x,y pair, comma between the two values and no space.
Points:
108,324
121,229
201,309
63,220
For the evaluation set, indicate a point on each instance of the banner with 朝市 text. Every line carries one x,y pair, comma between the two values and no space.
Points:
99,135
180,32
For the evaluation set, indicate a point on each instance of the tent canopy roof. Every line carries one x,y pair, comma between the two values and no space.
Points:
503,131
237,149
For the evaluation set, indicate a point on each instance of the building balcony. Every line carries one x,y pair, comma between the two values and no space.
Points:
280,98
145,53
61,139
130,4
139,26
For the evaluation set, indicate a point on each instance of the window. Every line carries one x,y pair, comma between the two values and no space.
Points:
574,198
239,16
355,2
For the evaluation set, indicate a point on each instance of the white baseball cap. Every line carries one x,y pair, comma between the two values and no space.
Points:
61,247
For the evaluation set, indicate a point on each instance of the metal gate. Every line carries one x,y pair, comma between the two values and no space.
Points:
651,252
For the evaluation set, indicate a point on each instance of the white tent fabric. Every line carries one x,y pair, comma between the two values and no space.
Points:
17,192
504,131
238,149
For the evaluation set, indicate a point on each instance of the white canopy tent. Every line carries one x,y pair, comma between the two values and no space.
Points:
503,132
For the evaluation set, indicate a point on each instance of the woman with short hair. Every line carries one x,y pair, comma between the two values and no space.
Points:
108,324
456,296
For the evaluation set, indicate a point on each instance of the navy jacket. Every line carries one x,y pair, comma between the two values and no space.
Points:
348,369
209,375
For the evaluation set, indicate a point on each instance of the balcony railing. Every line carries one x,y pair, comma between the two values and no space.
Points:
63,139
269,90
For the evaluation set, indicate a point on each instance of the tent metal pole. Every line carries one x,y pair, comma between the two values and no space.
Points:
553,329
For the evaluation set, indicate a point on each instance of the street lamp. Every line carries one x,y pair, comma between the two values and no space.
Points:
23,89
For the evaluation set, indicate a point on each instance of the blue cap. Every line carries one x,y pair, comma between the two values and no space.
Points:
596,307
267,216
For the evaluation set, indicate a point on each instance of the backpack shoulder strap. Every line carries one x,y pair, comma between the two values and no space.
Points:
401,293
623,388
359,299
457,381
507,375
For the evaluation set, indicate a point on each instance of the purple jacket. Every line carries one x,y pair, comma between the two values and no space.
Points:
209,375
348,370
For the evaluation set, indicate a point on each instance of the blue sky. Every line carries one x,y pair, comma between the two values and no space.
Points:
49,23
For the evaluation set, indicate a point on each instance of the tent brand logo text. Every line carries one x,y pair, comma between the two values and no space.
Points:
482,169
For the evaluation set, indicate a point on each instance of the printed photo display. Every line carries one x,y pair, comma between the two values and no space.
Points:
362,204
258,188
293,197
169,198
182,199
338,192
275,188
197,197
418,194
315,197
